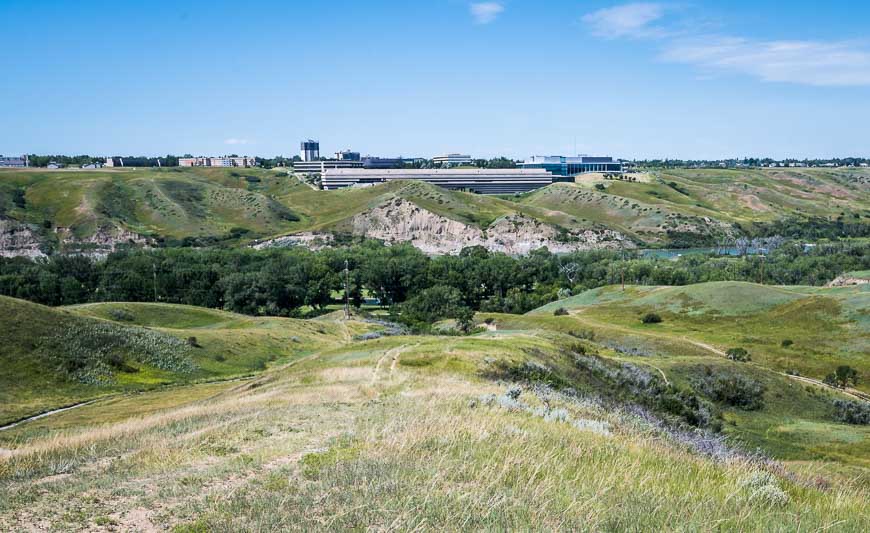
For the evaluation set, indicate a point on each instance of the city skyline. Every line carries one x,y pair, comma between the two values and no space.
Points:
633,80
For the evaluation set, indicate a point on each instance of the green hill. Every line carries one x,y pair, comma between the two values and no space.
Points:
66,209
827,327
55,357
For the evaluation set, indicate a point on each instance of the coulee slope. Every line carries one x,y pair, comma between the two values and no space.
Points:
55,357
75,210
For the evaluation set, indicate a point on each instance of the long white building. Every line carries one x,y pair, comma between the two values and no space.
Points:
479,180
216,161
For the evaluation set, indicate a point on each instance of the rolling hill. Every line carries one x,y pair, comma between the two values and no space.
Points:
54,357
98,210
586,419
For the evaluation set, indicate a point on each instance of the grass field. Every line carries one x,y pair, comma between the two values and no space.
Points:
237,205
398,433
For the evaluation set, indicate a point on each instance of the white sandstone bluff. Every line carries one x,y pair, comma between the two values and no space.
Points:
399,220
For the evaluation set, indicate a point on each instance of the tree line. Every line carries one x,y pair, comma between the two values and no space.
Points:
290,282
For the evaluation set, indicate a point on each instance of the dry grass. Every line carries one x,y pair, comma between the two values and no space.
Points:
322,445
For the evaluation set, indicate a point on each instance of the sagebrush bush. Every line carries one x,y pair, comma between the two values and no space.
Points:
91,351
560,312
121,315
732,389
852,412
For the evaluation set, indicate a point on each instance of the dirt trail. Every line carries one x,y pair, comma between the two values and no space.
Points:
391,354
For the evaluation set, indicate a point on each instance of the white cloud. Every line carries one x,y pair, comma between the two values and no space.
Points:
628,20
485,12
819,63
237,141
804,62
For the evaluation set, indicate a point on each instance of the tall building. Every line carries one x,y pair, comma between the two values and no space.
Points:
13,162
560,165
309,150
478,180
215,161
452,160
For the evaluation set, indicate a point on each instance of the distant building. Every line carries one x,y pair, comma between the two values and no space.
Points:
560,165
452,160
309,150
13,162
483,181
109,162
347,155
91,166
382,162
216,161
317,167
54,165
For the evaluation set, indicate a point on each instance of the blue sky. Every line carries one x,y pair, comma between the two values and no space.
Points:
679,79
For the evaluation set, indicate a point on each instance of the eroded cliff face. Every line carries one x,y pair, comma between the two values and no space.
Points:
399,220
22,240
19,240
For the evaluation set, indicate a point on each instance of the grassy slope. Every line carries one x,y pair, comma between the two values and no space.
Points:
210,202
390,434
647,209
829,327
228,345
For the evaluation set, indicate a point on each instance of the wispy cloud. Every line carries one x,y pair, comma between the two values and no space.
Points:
238,141
804,62
628,20
819,63
485,12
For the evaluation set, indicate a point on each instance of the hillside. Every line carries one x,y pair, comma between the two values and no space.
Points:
96,211
56,357
588,420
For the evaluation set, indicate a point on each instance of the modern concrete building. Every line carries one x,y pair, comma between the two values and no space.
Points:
560,165
347,155
382,162
483,181
13,162
224,161
309,150
452,160
317,167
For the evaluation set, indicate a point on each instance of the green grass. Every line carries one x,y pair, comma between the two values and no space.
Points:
57,357
244,204
350,440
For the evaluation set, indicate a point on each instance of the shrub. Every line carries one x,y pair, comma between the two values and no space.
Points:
560,312
191,341
852,412
787,342
842,377
121,315
651,318
732,389
738,354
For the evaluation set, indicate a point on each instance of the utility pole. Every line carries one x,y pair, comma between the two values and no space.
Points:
622,264
762,269
346,290
154,272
